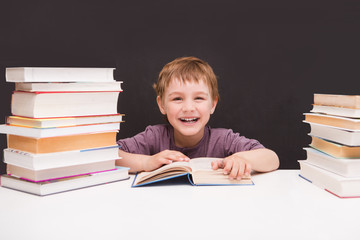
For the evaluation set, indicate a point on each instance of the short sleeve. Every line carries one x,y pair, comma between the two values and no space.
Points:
148,142
142,143
236,143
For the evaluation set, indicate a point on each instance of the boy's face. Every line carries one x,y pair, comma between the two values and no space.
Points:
188,107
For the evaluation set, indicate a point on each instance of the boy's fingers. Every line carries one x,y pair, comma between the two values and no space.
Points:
214,165
177,157
218,163
241,171
165,161
237,170
227,165
248,170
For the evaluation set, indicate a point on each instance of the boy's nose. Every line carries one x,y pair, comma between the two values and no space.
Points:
188,106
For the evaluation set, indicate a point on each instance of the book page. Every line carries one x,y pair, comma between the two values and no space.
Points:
164,171
203,163
202,173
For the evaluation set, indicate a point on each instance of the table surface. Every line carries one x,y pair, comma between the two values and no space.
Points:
280,204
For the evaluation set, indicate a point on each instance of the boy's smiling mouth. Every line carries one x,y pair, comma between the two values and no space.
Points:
189,120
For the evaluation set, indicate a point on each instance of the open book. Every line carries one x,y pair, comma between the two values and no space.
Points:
198,170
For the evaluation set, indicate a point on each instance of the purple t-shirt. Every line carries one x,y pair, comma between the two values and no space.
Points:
216,142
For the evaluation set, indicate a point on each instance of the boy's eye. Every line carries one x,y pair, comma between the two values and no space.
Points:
177,99
199,98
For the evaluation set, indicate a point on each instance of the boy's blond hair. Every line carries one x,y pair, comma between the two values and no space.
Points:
187,69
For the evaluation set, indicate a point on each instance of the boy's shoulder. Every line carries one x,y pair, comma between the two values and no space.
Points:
220,131
222,134
158,129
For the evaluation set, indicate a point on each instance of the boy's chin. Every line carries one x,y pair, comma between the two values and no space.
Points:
190,132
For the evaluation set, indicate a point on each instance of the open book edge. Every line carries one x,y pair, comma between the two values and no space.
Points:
198,172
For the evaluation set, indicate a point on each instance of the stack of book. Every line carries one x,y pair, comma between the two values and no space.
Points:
62,132
333,158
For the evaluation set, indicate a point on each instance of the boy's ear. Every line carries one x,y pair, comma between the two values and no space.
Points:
161,107
214,103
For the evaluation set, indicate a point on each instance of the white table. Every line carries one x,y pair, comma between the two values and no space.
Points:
280,205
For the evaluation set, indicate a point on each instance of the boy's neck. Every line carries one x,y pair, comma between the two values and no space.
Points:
187,141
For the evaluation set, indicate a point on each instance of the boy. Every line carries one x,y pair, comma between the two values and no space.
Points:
187,94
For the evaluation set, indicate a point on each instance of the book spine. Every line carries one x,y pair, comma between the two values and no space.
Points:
53,92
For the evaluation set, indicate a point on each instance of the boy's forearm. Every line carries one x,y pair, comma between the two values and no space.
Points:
132,161
261,160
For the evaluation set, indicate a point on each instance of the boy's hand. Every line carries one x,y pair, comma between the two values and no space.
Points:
234,166
165,157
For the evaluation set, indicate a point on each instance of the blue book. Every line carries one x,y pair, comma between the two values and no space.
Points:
197,171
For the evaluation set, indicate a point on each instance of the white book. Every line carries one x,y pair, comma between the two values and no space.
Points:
67,86
339,135
57,131
59,159
59,74
338,111
334,183
347,167
49,174
62,122
65,184
63,104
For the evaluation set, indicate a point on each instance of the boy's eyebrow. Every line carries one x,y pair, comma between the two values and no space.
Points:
181,92
174,93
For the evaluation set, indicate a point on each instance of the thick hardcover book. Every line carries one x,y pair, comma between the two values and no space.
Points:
68,86
65,184
60,172
58,74
347,167
62,143
63,104
335,121
57,131
337,100
62,121
197,170
59,159
339,135
338,111
334,149
343,187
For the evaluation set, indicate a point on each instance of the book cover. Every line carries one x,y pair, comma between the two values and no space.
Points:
57,131
334,149
63,104
68,86
59,172
62,143
59,159
337,100
62,121
198,172
338,185
338,111
65,184
343,166
339,135
335,121
59,74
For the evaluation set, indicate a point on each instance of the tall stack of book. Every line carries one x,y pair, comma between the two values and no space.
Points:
62,132
333,158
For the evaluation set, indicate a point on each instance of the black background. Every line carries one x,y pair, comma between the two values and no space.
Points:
270,56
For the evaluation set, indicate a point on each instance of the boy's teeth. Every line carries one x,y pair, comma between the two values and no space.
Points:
188,119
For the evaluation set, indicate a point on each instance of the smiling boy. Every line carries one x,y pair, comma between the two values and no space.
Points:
187,94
